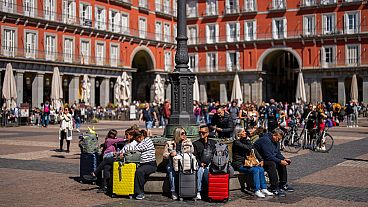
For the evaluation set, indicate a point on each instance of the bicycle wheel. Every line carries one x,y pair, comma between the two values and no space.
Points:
325,143
291,143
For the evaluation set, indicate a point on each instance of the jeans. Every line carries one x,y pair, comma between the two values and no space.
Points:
46,119
198,119
259,179
349,120
77,122
202,176
172,175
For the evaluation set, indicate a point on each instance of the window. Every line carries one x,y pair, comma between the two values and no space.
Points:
85,52
49,9
327,56
100,18
168,60
175,3
69,8
192,37
326,2
309,25
167,33
50,47
250,5
352,55
352,22
231,6
175,33
193,62
29,7
167,7
278,4
309,2
9,43
250,30
68,50
85,15
158,31
143,3
233,32
142,28
211,62
158,5
232,61
30,44
114,21
191,8
100,53
279,28
125,23
114,55
328,24
212,33
8,6
211,7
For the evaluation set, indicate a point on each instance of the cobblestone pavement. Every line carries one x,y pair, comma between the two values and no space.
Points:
32,173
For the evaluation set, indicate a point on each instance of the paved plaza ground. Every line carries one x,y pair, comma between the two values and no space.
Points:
32,173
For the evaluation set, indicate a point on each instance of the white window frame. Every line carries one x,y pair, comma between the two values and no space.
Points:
9,48
29,7
175,33
306,29
50,51
327,2
356,28
246,28
209,66
100,58
85,16
125,29
68,57
49,9
69,11
8,6
352,61
168,60
211,7
167,32
114,61
142,27
192,11
230,66
85,58
231,9
275,31
192,37
331,28
143,3
100,19
166,6
236,37
30,49
250,5
158,31
114,21
195,68
278,4
325,64
209,40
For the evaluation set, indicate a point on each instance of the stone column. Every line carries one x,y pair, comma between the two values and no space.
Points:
37,90
341,97
19,80
316,92
202,92
307,86
74,90
104,92
247,92
223,92
168,92
365,89
260,90
93,92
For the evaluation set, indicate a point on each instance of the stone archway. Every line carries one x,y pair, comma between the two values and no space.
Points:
143,61
280,67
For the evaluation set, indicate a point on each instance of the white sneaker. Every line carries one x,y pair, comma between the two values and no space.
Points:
174,196
259,194
266,192
199,197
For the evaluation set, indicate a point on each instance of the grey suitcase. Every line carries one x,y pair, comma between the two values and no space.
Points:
187,182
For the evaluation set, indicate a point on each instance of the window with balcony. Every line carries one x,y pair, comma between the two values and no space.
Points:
143,4
9,42
192,35
100,53
175,33
114,21
250,5
309,24
250,29
8,6
68,50
29,7
352,22
100,18
212,33
30,44
158,31
279,28
233,32
278,4
85,51
85,14
142,28
211,7
69,11
167,33
328,55
49,9
158,5
211,61
168,61
124,23
193,62
352,54
327,2
308,3
329,24
232,6
192,8
114,55
167,7
232,61
50,47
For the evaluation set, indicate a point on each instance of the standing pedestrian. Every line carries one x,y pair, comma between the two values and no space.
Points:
77,117
148,115
46,113
66,128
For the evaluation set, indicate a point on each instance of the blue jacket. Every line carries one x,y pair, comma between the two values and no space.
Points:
269,150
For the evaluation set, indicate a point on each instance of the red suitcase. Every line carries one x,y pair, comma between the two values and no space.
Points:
218,187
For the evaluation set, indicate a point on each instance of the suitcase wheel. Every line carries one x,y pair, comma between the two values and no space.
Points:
130,197
113,196
226,200
210,200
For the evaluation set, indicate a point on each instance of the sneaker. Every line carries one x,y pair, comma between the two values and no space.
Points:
266,192
78,130
288,188
102,190
174,196
90,177
139,197
199,197
278,192
67,151
259,194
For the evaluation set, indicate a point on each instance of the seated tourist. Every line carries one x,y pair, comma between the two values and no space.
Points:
242,147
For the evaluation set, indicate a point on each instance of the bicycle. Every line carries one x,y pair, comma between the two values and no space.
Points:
291,141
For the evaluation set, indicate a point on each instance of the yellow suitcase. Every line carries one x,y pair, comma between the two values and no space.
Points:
123,178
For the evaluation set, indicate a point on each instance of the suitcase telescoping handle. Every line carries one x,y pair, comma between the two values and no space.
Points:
191,159
120,173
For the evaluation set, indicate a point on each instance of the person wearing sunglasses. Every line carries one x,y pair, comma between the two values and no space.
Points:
179,144
66,128
203,150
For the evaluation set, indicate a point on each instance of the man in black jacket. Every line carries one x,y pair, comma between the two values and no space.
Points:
223,123
275,163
